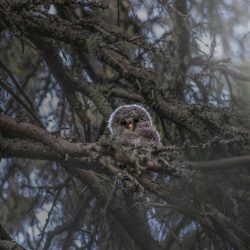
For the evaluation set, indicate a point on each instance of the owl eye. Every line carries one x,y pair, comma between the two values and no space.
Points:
136,120
123,122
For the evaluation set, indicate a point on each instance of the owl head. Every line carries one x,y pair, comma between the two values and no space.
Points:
128,117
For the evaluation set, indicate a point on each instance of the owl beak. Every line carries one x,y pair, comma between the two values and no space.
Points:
131,126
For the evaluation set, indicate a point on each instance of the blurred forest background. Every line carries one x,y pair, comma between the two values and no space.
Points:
65,183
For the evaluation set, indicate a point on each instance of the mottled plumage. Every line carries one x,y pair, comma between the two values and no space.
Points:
133,124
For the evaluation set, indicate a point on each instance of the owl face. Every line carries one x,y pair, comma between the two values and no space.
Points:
133,124
129,117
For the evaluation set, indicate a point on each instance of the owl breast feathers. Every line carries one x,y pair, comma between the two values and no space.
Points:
133,124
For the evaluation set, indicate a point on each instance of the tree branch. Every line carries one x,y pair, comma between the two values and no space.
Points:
221,165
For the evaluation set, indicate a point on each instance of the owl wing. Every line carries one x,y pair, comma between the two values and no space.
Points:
149,133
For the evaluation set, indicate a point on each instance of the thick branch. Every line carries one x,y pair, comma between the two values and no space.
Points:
9,245
37,134
43,145
222,165
6,243
183,44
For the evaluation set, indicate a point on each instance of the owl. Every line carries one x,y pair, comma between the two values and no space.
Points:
133,124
